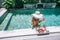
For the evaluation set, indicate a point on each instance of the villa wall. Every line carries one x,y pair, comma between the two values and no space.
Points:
49,5
29,6
40,5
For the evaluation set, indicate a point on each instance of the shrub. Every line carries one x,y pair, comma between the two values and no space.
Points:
8,4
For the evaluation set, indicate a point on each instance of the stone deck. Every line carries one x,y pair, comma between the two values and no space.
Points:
26,32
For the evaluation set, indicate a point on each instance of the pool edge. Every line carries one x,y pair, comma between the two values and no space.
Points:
23,32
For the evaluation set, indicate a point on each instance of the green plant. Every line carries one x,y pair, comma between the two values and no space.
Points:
19,4
8,4
49,1
58,1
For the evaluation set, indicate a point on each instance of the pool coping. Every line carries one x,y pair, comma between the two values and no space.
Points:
2,11
26,32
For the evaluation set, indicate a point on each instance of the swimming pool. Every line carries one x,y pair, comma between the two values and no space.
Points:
21,18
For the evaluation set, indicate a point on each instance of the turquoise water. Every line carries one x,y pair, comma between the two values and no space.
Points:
21,19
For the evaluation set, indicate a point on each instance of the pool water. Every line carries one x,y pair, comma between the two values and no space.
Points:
21,18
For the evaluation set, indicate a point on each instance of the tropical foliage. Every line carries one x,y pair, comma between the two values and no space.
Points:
58,3
49,1
8,4
19,3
